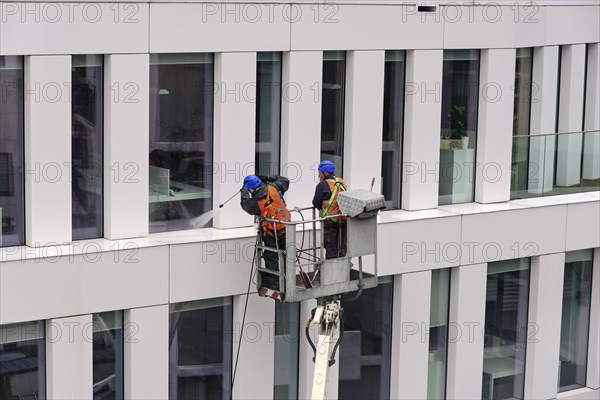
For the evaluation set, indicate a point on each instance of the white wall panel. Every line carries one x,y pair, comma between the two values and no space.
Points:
47,150
544,90
83,284
218,27
422,115
69,357
418,245
126,124
210,269
410,343
234,134
343,26
544,325
146,353
257,347
515,234
583,226
570,114
495,123
466,321
363,118
593,368
301,124
567,24
73,28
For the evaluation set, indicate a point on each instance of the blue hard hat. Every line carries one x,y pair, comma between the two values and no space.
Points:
327,166
252,182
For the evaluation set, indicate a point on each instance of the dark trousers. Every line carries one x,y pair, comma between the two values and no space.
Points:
334,238
272,261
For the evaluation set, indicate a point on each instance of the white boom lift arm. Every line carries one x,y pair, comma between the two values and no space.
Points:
329,317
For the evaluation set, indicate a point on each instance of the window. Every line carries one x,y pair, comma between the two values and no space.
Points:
108,355
577,294
438,333
200,349
460,87
86,146
393,122
505,340
23,361
332,108
365,350
287,333
181,139
268,113
12,199
521,118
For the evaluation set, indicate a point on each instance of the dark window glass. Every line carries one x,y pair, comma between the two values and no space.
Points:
200,346
86,146
460,94
12,199
287,333
268,112
332,108
365,350
575,322
438,334
108,355
505,340
393,113
22,361
181,139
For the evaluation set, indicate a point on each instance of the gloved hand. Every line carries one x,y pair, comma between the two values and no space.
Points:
245,193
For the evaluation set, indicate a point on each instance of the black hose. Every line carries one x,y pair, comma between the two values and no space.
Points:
307,332
332,360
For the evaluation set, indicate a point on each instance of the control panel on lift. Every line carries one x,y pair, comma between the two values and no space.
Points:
305,272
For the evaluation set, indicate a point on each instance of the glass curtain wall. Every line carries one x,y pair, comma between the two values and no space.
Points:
505,340
332,108
12,181
458,136
521,119
108,355
287,334
200,349
438,334
393,124
575,323
23,361
268,113
365,350
181,139
86,146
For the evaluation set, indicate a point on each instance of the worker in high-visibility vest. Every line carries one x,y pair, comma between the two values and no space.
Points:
325,200
263,196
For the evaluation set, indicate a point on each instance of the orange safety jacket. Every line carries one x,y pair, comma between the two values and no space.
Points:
330,206
273,206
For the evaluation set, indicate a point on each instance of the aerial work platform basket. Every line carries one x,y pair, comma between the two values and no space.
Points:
305,273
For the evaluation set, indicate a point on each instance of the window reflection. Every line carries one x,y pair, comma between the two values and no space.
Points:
393,113
181,137
577,294
108,356
22,361
460,87
86,146
200,346
438,333
521,118
268,112
332,108
506,308
366,346
12,201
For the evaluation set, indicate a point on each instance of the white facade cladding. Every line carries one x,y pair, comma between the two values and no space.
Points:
195,113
